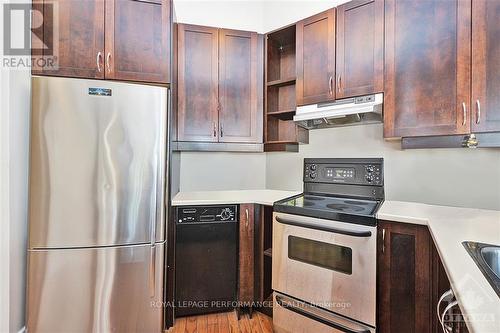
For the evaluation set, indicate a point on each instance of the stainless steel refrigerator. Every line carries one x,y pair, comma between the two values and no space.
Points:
97,207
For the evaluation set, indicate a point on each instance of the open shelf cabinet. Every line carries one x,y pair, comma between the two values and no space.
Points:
281,133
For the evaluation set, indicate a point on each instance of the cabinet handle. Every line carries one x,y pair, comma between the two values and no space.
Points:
330,84
108,58
383,240
221,130
246,218
448,296
464,110
339,82
215,129
98,60
478,112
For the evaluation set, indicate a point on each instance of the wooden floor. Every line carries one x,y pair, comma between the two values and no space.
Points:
224,323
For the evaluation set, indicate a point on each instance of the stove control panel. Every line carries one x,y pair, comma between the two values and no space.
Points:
206,214
344,171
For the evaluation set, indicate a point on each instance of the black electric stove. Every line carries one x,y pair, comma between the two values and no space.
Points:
346,190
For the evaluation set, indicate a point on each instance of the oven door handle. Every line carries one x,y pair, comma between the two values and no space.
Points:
289,306
324,228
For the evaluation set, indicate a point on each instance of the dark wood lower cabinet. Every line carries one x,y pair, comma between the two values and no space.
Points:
247,252
411,279
404,271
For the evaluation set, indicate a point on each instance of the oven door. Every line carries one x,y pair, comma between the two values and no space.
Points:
293,316
326,263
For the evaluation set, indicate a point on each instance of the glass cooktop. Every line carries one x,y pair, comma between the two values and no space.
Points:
330,207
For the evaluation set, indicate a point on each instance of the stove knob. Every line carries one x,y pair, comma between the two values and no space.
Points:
312,175
369,178
313,167
225,214
369,168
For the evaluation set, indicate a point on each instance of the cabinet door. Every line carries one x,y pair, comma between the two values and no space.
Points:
246,254
79,31
315,45
197,76
137,40
485,66
240,86
404,275
360,48
427,67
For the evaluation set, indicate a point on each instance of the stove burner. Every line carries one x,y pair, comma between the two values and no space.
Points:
351,202
309,197
345,208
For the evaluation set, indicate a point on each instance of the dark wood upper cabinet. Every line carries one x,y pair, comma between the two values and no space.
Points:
404,276
240,86
220,75
109,39
79,47
485,66
360,48
138,40
315,58
427,67
197,83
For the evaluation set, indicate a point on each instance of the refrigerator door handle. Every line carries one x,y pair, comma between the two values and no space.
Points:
152,271
160,185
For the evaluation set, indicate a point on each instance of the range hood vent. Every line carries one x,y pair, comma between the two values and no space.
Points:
350,111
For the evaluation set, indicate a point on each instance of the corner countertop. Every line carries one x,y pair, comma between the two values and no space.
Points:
449,227
261,197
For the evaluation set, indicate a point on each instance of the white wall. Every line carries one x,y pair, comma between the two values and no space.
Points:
454,177
4,203
231,14
14,147
279,13
14,195
222,171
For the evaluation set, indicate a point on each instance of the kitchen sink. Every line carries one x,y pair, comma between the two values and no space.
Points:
487,258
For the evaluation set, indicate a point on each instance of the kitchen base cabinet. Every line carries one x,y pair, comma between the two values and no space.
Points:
404,274
440,285
411,280
246,254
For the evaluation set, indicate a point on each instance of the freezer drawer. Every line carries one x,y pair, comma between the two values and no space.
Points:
115,289
293,316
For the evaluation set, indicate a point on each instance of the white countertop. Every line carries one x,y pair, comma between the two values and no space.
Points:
449,227
261,197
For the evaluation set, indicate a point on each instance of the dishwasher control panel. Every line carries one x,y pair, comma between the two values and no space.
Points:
206,214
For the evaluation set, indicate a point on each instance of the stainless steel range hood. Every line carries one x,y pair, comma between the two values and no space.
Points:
350,111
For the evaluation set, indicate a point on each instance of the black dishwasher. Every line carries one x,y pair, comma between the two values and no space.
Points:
206,259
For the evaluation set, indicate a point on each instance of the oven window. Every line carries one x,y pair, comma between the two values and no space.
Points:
335,257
